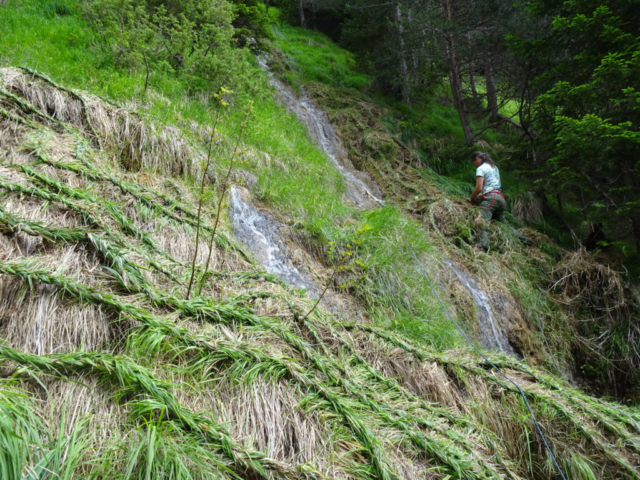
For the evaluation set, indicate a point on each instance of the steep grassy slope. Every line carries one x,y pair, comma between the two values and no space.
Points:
109,372
572,311
294,179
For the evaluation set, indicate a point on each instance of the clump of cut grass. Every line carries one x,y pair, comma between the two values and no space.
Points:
527,206
131,375
598,292
582,281
139,143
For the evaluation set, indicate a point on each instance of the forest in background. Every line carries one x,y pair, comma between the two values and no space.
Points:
562,76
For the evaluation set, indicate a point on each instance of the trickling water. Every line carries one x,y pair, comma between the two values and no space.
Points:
257,230
492,335
357,191
360,194
260,233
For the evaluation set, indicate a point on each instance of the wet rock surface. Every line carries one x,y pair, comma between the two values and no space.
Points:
361,190
268,241
491,333
261,234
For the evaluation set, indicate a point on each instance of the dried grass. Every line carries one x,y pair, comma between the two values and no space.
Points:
178,242
268,416
33,210
582,282
425,379
140,144
38,320
597,292
81,398
528,207
10,175
411,468
444,215
11,129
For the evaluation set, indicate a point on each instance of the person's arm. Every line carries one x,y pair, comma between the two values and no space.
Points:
478,190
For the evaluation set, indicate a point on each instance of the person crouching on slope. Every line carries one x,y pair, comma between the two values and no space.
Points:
492,201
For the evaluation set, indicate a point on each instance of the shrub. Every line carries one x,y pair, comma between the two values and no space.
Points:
192,38
51,9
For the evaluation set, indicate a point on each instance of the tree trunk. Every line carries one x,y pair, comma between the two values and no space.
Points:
472,81
413,74
635,225
303,22
455,79
456,90
313,15
492,97
402,59
472,74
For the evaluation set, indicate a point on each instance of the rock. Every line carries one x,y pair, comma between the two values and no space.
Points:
244,178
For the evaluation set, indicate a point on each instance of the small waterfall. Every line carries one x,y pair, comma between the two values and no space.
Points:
323,134
260,233
492,336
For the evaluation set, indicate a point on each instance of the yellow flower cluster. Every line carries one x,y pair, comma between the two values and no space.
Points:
220,96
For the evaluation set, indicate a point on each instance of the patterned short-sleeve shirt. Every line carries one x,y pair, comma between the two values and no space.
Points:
491,177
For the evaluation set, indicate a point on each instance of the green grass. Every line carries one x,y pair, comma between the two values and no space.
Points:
403,300
306,190
311,57
166,375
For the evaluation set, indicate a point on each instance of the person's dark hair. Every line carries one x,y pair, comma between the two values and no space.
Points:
484,156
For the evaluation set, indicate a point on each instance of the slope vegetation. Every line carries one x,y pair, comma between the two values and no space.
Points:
109,372
575,312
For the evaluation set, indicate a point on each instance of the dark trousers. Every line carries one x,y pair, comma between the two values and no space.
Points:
492,207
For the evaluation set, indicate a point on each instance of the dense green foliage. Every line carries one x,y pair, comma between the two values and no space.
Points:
194,39
586,113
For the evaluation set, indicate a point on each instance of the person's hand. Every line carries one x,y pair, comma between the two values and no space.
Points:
471,201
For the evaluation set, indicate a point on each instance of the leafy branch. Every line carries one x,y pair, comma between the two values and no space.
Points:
225,185
220,98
